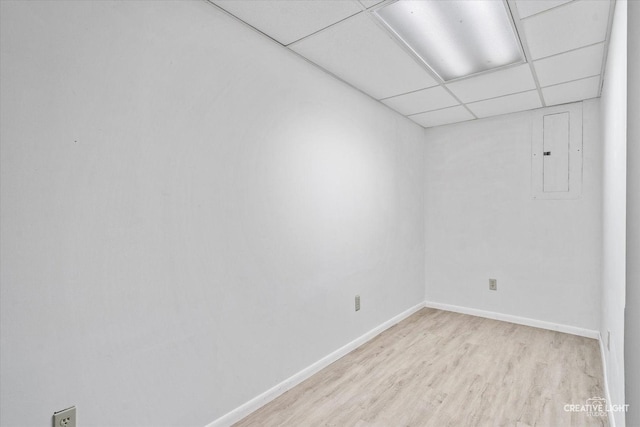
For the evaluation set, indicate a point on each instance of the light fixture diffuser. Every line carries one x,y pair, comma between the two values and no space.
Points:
455,38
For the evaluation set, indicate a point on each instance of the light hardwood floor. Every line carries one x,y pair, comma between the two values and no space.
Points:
438,368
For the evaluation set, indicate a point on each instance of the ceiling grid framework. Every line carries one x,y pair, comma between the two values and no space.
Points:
564,43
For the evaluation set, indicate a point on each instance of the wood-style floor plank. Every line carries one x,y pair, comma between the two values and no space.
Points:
438,368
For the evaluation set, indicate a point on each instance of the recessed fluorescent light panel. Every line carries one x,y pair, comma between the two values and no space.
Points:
455,38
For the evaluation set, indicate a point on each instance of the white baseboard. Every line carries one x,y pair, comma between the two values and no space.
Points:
247,408
612,419
516,319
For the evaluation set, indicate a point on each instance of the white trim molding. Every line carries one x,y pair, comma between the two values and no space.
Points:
567,329
605,378
257,402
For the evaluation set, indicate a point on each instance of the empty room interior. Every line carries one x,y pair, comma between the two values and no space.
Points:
319,213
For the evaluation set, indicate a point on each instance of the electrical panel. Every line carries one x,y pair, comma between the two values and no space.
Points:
556,152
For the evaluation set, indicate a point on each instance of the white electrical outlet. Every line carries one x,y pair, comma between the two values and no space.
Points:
357,302
493,284
65,418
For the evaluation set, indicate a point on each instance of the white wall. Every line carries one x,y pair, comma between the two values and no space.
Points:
188,210
482,222
632,310
614,120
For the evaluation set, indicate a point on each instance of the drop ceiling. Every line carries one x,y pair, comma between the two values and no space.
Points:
564,42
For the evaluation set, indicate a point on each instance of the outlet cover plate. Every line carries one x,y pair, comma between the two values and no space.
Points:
65,418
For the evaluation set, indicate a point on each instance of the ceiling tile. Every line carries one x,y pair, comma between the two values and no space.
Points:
423,100
288,21
506,104
531,7
370,3
574,65
364,55
491,85
572,91
442,117
574,25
